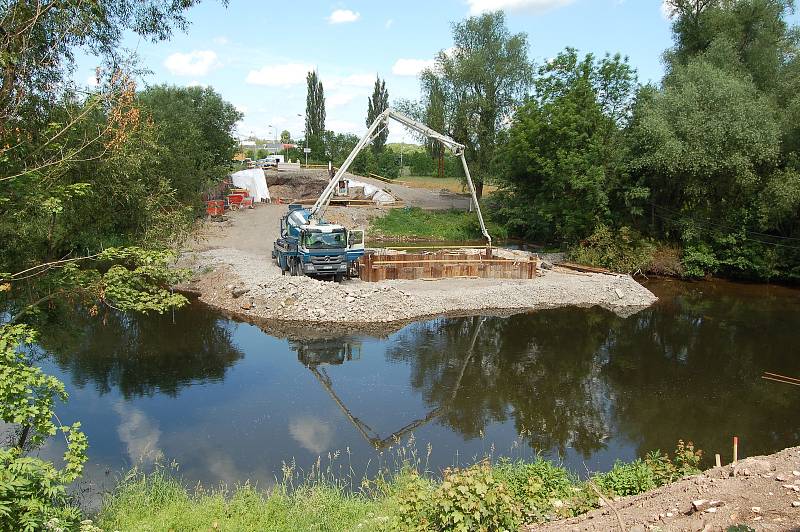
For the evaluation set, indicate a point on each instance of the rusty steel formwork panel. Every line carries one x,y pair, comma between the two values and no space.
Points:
443,265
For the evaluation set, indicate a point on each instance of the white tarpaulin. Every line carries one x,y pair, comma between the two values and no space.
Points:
372,192
254,181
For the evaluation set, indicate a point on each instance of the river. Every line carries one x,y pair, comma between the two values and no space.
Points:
228,402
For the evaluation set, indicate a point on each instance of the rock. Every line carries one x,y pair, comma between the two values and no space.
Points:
796,473
795,504
350,299
246,306
620,293
780,478
756,509
239,292
546,265
703,505
792,487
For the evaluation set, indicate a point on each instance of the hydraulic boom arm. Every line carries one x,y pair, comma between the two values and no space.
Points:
318,210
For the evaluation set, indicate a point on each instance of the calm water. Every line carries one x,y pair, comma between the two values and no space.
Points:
230,402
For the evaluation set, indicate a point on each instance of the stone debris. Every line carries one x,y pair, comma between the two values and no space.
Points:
304,299
704,505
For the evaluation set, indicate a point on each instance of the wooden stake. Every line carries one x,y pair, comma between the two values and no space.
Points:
718,460
735,449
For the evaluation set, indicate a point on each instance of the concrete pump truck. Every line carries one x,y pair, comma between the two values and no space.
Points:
308,245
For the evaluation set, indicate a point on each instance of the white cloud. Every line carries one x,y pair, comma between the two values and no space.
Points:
195,63
195,83
311,433
477,7
242,109
221,40
411,67
339,99
91,81
389,23
280,75
139,434
343,126
343,16
358,80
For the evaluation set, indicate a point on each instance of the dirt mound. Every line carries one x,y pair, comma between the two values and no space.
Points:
762,493
296,185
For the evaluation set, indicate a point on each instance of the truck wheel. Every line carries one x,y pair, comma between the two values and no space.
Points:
338,277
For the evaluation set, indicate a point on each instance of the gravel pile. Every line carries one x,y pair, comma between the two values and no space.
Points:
240,282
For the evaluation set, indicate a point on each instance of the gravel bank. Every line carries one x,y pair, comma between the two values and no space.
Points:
245,282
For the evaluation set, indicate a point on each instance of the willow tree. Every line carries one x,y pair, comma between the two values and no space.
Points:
480,81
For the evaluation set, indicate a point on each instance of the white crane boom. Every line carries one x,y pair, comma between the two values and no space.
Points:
318,210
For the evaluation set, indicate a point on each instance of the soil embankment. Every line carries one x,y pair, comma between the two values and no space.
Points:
234,272
762,493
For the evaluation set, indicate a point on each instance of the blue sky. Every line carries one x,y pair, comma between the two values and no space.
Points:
256,54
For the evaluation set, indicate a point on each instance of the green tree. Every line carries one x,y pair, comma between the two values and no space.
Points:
717,143
564,156
286,137
75,179
315,115
376,104
194,128
480,81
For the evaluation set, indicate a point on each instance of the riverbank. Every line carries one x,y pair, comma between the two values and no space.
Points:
233,271
758,492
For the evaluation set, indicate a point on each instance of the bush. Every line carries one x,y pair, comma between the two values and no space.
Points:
666,260
466,499
655,470
544,490
623,250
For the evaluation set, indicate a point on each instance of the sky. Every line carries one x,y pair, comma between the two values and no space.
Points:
256,54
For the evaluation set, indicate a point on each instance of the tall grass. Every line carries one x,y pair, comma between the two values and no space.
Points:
405,496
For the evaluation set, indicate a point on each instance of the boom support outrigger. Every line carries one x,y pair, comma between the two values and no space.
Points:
318,210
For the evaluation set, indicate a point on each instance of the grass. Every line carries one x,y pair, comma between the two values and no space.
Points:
411,498
159,501
453,184
445,226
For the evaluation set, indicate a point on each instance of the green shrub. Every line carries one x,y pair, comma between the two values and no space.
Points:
623,250
699,260
655,470
466,500
544,490
627,479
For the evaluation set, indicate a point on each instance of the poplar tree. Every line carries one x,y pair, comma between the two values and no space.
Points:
315,114
376,104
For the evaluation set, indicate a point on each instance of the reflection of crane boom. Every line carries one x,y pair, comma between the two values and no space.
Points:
371,435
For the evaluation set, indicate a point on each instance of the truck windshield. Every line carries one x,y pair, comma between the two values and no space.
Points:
324,240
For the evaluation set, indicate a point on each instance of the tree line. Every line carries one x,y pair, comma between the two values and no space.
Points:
698,174
97,187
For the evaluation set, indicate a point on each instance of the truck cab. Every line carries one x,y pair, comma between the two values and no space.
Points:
316,249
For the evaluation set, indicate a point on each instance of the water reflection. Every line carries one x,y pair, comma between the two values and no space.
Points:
141,355
540,370
229,402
